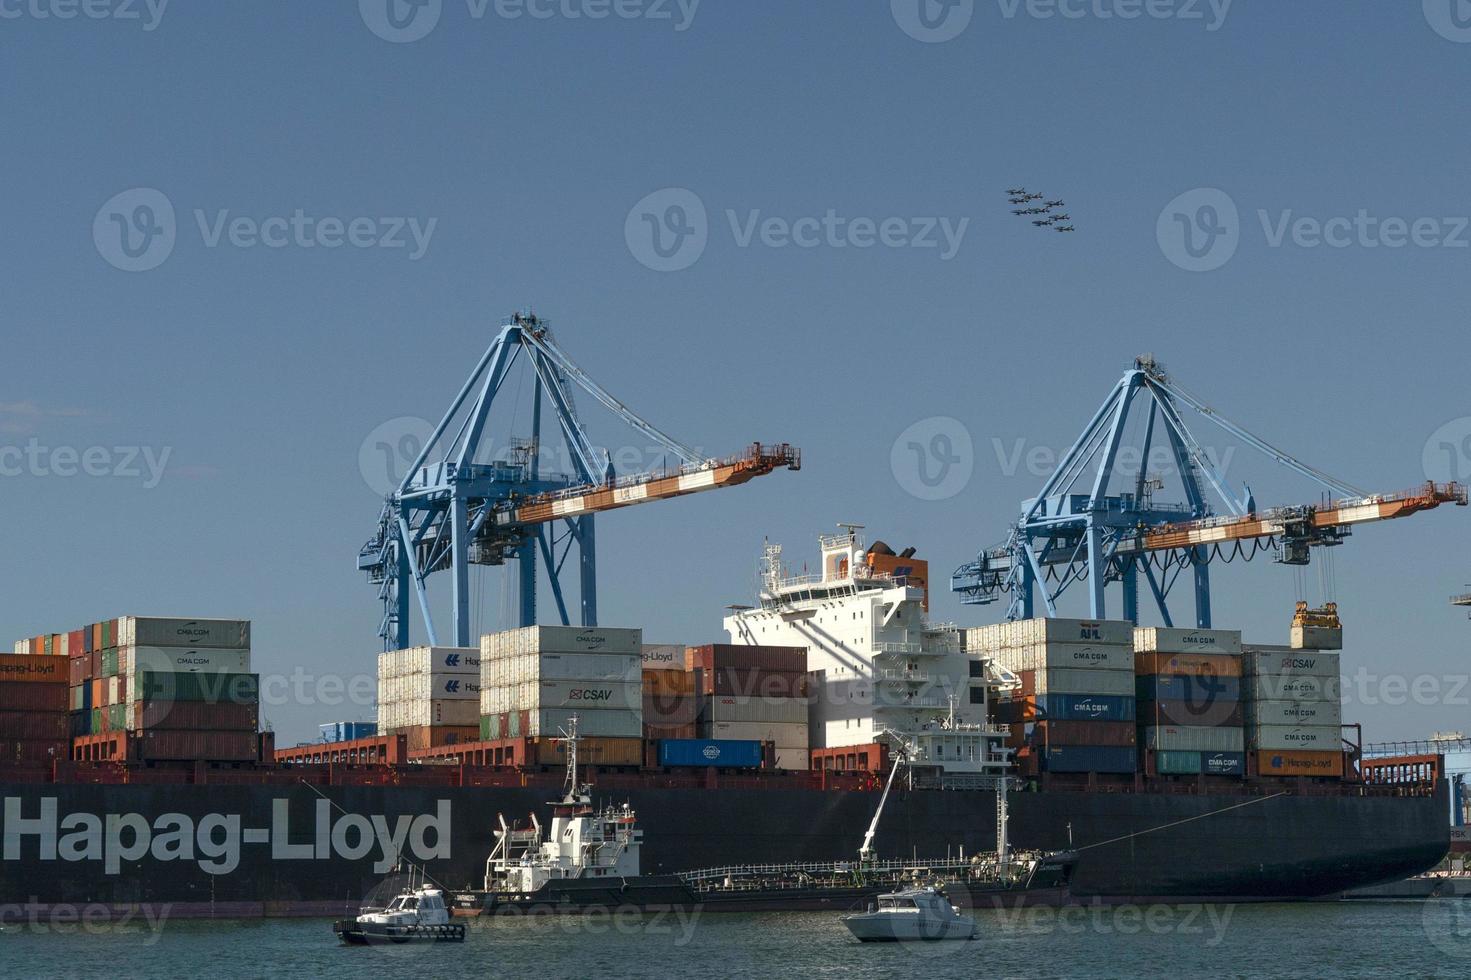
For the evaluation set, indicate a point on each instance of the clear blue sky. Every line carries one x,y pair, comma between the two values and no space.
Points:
262,370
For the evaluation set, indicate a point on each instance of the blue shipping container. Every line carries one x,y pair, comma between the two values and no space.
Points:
1194,689
1090,758
1086,707
346,731
728,753
1223,763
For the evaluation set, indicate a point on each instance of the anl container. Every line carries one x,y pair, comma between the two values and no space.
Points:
725,753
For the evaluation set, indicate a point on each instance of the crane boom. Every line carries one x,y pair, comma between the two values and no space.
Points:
757,460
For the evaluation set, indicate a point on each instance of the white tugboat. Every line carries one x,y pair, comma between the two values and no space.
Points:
417,914
586,857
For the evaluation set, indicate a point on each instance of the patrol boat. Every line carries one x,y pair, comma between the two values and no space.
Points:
417,914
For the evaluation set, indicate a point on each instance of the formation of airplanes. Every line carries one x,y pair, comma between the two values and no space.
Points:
1047,215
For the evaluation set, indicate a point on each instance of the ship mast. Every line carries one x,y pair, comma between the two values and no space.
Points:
865,853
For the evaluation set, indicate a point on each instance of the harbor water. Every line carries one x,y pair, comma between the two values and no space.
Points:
1408,938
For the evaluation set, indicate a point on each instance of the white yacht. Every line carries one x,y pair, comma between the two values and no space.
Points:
911,914
417,914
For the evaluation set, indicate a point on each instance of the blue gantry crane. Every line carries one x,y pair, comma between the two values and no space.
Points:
1078,531
453,509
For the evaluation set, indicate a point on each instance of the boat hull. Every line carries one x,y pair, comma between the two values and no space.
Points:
267,850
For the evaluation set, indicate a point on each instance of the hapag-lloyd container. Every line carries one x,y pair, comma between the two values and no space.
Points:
156,631
1297,763
563,639
663,656
1295,713
1068,680
1089,656
1161,639
1315,738
424,687
1194,739
33,669
429,660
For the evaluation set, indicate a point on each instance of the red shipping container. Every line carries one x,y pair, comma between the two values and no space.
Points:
1116,734
79,669
33,750
751,682
96,637
33,669
38,646
16,696
192,746
716,655
76,643
28,725
199,716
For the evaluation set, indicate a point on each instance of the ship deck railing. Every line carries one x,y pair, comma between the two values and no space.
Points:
756,874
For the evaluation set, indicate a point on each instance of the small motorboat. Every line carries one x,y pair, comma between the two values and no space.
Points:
911,914
418,914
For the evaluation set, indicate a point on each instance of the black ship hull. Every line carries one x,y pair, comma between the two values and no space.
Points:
279,850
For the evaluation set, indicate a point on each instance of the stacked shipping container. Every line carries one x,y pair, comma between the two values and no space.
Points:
33,703
1294,711
430,694
536,678
1190,706
753,693
1076,708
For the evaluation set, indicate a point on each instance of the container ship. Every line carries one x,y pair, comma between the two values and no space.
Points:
1178,764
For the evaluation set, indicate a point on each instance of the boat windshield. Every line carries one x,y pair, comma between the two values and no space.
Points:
404,903
896,903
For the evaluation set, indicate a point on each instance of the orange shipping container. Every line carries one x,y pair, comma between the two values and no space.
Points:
43,669
96,636
1188,664
38,646
423,737
1297,763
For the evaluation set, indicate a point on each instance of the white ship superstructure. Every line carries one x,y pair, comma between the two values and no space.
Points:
878,668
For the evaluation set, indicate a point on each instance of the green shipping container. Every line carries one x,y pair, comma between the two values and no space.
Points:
47,648
490,727
109,662
109,633
157,685
79,698
117,717
96,721
1177,763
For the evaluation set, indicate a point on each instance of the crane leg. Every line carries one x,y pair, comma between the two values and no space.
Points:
588,565
527,567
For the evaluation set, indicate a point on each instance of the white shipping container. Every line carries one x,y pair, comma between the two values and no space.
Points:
1082,681
1090,656
549,722
591,695
426,687
202,660
435,660
1160,639
796,759
1309,738
533,668
663,656
157,631
22,647
437,711
786,736
1030,632
1191,738
1294,713
563,639
984,639
1292,663
757,710
1268,687
1317,637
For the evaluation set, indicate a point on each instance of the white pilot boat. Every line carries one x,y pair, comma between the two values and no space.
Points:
911,915
417,914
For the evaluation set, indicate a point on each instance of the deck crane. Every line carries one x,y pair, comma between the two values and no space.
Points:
1075,530
453,509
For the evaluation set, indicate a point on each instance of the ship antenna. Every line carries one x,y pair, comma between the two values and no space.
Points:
569,736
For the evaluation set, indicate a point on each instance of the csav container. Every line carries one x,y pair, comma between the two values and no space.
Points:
724,753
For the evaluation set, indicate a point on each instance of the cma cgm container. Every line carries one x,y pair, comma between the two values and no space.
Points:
1066,707
1052,656
564,639
1295,714
1317,738
155,631
725,753
1161,639
1181,763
